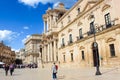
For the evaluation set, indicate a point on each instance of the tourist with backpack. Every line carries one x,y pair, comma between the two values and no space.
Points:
54,71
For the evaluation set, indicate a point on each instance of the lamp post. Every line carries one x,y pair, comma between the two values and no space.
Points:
95,46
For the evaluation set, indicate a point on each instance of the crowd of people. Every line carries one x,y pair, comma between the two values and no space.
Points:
10,68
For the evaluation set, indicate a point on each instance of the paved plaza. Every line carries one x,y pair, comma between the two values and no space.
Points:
63,74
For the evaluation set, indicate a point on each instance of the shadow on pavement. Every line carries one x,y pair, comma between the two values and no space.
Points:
110,70
15,74
61,76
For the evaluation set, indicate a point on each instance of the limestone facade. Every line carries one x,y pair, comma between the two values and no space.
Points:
6,54
32,49
50,35
69,35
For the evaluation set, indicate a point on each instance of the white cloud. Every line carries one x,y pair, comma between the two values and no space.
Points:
25,27
56,4
23,41
7,35
34,3
15,50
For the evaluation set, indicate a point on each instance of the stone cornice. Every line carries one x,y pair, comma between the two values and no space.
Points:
81,47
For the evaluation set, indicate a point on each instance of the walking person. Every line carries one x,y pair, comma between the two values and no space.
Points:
54,71
11,69
6,67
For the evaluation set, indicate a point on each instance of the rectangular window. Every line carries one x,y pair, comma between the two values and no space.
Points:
64,58
62,40
71,56
112,50
78,10
70,38
80,33
92,28
107,20
83,56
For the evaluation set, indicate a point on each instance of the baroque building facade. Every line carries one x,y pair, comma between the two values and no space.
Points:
32,49
50,35
6,54
69,35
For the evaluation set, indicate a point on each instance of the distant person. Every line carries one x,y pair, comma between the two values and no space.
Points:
11,67
6,67
54,71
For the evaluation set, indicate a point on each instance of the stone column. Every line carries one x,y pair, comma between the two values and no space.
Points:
48,53
51,51
35,59
55,51
47,25
43,54
44,27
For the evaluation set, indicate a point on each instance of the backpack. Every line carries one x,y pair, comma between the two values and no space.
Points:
11,66
56,66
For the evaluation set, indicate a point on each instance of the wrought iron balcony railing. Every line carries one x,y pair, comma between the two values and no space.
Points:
80,37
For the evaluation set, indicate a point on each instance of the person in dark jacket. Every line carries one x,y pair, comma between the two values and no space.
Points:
6,67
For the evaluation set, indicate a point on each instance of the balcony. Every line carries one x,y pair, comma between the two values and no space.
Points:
101,28
70,42
80,37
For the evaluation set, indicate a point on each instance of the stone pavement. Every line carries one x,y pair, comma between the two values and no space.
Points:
63,74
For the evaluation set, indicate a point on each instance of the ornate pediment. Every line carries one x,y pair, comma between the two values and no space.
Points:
62,34
63,53
89,5
69,30
81,47
110,39
79,23
106,6
71,51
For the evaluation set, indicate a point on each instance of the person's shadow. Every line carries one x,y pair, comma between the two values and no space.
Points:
110,70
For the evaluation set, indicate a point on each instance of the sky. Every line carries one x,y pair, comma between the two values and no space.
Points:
21,18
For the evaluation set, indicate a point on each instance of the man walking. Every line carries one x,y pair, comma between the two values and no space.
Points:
54,71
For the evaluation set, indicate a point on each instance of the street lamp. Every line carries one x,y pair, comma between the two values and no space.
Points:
95,46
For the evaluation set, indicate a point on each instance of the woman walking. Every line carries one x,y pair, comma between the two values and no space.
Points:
11,69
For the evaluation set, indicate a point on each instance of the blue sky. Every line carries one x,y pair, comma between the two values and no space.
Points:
21,18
